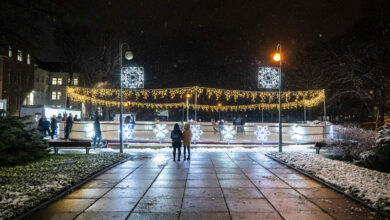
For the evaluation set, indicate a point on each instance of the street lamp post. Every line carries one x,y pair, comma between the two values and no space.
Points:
277,57
128,56
187,97
219,111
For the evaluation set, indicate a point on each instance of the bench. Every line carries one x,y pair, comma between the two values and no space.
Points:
61,144
318,146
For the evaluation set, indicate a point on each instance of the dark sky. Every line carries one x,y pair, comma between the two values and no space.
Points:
200,38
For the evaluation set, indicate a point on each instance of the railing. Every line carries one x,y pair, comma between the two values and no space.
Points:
204,132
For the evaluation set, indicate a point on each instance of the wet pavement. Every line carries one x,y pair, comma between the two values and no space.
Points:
212,185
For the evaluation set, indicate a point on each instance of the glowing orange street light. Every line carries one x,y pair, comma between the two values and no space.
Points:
188,96
276,57
219,104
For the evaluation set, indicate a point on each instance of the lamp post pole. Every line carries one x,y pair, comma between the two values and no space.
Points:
187,107
279,48
121,97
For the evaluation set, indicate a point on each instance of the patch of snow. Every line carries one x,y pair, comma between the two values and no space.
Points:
369,185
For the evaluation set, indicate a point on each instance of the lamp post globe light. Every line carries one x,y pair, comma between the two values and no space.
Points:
128,56
278,58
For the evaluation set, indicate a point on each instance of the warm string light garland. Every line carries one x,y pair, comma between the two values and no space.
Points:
309,98
210,93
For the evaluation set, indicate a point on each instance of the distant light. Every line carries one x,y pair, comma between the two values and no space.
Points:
129,55
188,96
277,57
219,104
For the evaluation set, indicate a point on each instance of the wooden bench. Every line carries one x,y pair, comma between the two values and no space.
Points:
318,146
61,144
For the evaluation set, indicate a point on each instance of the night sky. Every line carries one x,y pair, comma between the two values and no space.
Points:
198,39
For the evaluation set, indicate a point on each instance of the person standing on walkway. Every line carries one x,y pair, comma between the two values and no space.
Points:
46,126
98,131
187,136
53,126
68,126
176,137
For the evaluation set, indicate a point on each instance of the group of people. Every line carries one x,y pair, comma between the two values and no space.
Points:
46,127
180,138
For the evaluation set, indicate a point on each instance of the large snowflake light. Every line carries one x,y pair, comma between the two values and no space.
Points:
132,77
128,131
228,133
196,132
262,133
297,133
90,131
160,131
268,77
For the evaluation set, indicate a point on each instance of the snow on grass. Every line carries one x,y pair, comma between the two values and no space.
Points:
369,185
24,187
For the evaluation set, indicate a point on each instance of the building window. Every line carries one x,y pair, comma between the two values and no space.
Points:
56,81
55,95
20,55
9,51
75,82
28,59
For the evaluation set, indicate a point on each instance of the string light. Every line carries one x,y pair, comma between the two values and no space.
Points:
309,98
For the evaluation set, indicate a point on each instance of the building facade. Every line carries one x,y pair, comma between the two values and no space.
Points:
16,70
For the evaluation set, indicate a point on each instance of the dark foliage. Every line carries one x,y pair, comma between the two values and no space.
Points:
379,159
19,143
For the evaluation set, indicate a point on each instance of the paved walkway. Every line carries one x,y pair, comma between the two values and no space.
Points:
214,186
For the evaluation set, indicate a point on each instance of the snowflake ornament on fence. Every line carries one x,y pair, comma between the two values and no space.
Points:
132,77
160,131
268,78
228,133
297,133
128,131
196,132
90,131
262,133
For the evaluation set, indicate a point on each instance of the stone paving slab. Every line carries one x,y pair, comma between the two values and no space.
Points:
212,185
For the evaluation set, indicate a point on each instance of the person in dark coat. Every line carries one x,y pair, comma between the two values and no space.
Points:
40,125
132,121
98,131
68,126
176,136
53,126
46,126
127,120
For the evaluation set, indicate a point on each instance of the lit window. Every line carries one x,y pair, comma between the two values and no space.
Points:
53,95
54,81
28,59
58,106
20,55
75,81
9,51
59,81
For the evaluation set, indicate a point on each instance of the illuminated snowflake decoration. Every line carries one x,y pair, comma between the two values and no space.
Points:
297,133
132,77
90,131
331,132
160,131
268,77
196,132
262,133
228,133
128,131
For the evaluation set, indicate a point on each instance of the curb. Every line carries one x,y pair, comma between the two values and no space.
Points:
68,191
335,188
